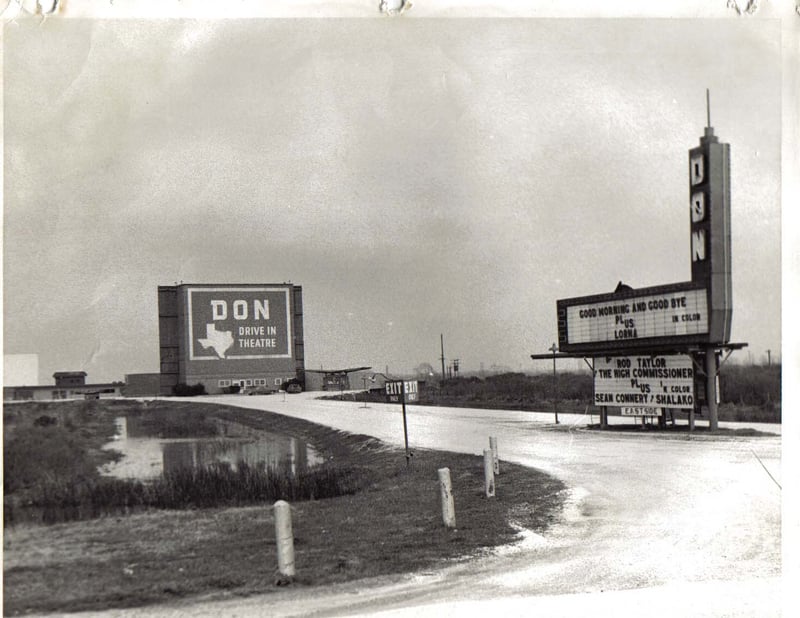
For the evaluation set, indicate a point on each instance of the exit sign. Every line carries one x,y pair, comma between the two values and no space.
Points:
394,391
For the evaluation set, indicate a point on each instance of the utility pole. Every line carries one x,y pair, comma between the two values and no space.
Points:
554,349
444,375
769,358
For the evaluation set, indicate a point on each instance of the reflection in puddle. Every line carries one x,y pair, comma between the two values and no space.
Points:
147,457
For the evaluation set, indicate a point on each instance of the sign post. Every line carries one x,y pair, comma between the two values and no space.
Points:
399,391
554,349
405,425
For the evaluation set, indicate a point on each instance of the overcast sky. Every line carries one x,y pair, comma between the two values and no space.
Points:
416,177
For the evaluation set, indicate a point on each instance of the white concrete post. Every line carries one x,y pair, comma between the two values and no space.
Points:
448,509
495,456
488,472
284,539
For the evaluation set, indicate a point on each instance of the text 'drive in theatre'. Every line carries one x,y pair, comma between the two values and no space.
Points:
239,323
653,381
659,315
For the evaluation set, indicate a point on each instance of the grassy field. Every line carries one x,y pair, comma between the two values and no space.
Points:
749,393
393,525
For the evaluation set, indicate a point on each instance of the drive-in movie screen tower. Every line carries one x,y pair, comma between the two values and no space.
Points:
230,335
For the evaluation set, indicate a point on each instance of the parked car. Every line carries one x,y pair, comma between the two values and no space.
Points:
258,390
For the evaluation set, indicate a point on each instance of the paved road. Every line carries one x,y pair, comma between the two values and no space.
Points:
655,525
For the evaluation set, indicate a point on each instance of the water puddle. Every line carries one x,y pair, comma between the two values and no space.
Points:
146,456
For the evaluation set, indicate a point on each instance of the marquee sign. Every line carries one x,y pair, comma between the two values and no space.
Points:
642,385
625,331
692,313
663,315
228,323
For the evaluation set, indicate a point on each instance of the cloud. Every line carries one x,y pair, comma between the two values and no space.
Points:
445,176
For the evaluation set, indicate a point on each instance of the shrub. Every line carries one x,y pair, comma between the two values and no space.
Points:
519,387
291,381
292,386
750,385
217,485
755,386
185,390
59,458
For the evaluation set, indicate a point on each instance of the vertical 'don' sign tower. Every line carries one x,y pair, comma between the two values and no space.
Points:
710,208
710,198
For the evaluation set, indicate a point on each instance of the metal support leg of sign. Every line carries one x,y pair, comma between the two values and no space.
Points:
405,425
712,367
699,369
591,403
554,349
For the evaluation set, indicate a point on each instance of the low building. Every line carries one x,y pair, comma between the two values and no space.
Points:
68,379
142,385
331,379
68,385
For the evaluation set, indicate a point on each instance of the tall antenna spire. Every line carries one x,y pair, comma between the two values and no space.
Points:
708,134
